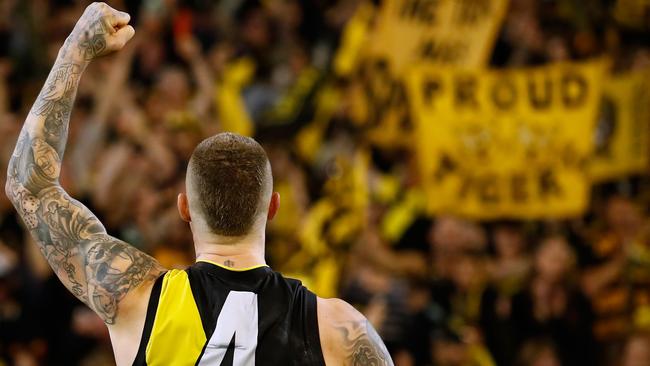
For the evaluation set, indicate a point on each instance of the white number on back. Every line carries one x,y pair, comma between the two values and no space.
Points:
238,319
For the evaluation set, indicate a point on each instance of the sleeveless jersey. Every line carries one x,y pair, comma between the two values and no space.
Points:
210,315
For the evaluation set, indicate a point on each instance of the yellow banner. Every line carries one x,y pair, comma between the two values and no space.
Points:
450,32
623,132
405,32
633,13
513,143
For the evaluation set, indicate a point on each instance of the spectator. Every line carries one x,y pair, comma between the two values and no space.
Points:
553,305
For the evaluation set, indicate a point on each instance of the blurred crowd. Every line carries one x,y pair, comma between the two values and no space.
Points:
440,291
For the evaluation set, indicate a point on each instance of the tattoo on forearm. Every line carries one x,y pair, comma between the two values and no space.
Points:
91,42
35,164
55,103
363,345
60,87
98,269
94,43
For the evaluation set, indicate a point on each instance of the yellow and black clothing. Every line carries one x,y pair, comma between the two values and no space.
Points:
208,314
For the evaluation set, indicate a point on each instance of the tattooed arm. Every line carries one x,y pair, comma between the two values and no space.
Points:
97,268
347,338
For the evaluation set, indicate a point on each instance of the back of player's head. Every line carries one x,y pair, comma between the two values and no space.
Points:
229,182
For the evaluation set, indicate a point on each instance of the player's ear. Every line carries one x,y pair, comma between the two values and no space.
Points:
274,205
183,207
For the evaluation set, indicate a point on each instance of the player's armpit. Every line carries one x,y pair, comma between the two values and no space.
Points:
347,338
113,269
97,268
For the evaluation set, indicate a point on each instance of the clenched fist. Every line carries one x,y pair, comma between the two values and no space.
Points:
100,30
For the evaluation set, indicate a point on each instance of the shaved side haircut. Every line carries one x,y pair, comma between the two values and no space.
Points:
229,177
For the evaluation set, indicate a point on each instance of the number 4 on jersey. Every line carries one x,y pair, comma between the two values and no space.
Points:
236,329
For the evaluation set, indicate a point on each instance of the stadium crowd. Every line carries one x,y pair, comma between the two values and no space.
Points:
440,291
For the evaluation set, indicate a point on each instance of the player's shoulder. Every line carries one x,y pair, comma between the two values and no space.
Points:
347,337
332,311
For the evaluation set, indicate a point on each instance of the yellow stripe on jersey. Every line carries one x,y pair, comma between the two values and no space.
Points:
177,337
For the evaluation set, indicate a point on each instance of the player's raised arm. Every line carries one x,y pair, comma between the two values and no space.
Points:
97,268
348,338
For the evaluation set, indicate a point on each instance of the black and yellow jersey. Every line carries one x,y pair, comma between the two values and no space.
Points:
210,315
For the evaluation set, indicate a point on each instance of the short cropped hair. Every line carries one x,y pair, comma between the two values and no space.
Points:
229,176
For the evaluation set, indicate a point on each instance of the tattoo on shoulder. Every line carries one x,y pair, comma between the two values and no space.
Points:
113,268
362,344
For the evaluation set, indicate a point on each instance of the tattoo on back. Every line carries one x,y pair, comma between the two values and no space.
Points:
363,346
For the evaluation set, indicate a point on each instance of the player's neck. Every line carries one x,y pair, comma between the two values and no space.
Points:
235,252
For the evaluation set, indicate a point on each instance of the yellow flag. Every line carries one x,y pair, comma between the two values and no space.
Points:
309,139
513,143
352,40
633,13
623,132
449,32
230,105
441,32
